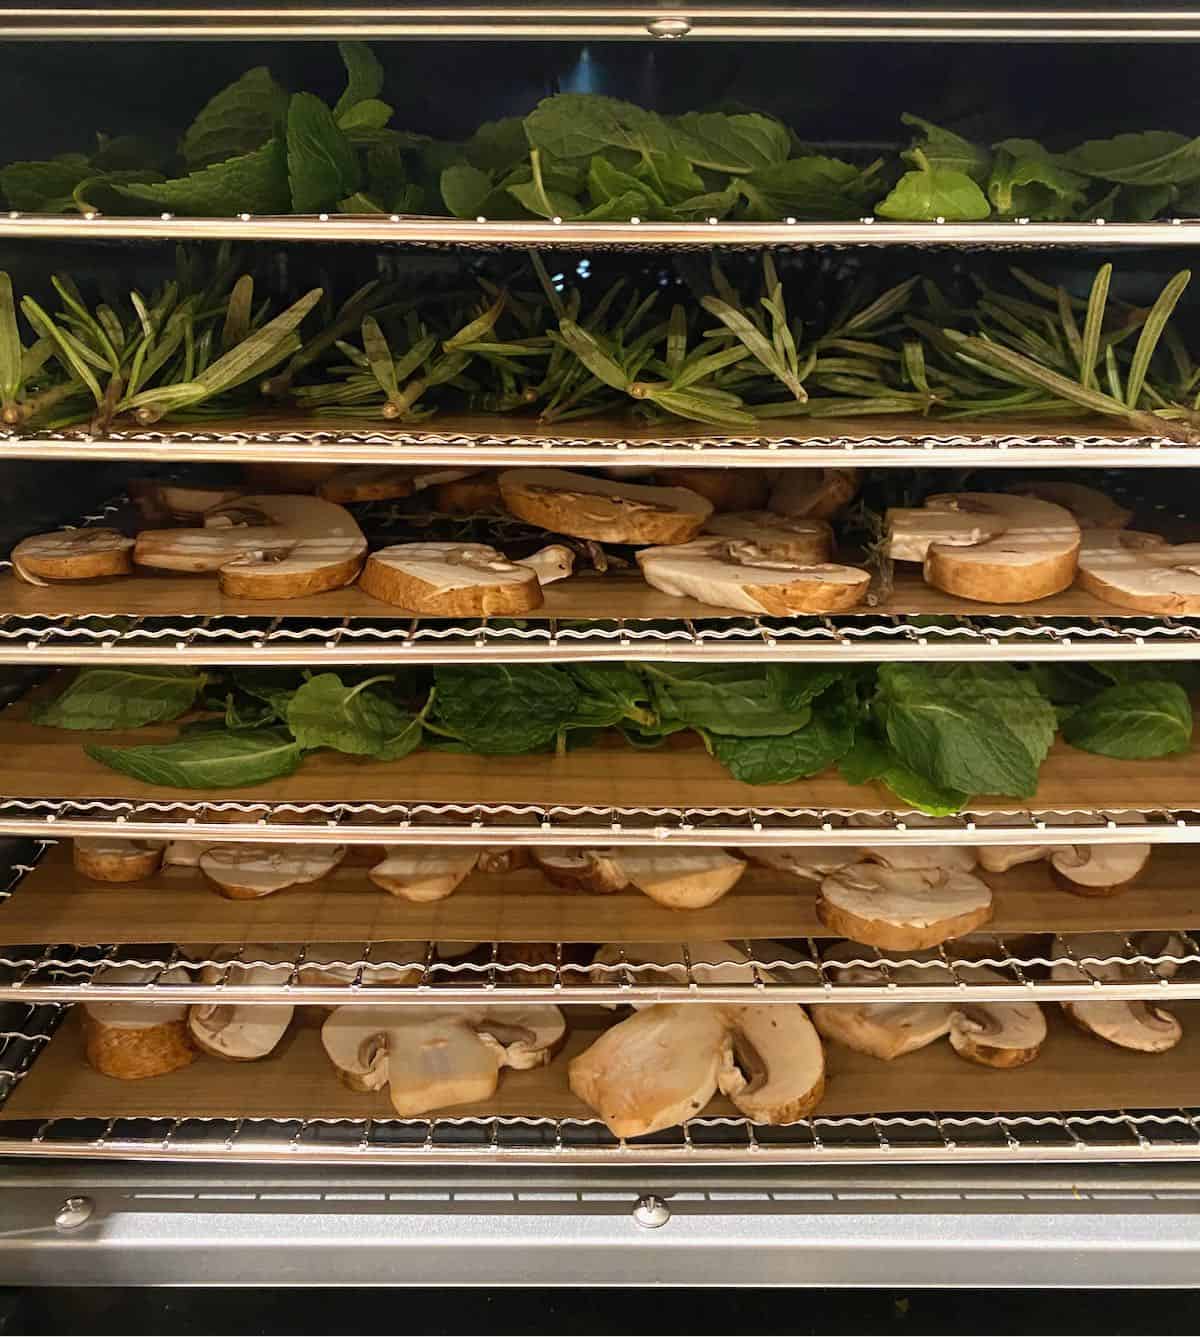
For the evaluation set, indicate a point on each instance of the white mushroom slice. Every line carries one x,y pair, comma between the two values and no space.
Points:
451,580
814,493
113,859
810,862
784,537
72,554
246,872
241,1031
727,489
132,1040
189,501
595,870
1000,858
1141,572
432,1057
1090,507
655,1069
185,853
709,963
902,909
998,1035
988,546
777,1069
264,547
1130,1024
1101,870
502,858
554,562
424,872
953,858
598,508
682,879
732,573
884,1030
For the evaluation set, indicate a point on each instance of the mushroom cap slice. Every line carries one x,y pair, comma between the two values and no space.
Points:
189,501
777,1072
1101,870
815,493
423,872
1091,508
883,1030
902,909
241,1031
368,482
810,862
682,879
246,872
1141,572
72,554
598,870
1130,1024
734,573
528,1033
477,493
989,546
655,1069
787,538
1000,858
264,547
502,858
953,858
451,580
598,508
998,1035
132,1040
114,859
185,853
726,489
553,562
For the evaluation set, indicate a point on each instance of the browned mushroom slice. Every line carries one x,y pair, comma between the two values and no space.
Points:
369,482
777,1071
655,1069
988,546
1091,508
598,508
812,863
502,858
726,489
451,580
814,493
241,1032
1101,870
952,858
134,1039
424,872
682,879
113,859
1141,572
264,547
902,909
784,537
734,573
595,870
73,554
1129,1023
246,872
996,1034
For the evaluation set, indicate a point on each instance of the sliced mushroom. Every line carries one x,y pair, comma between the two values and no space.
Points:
777,537
434,1057
424,872
189,501
726,489
554,562
502,858
998,1035
902,909
1141,572
777,1072
476,494
451,580
1090,507
1000,858
1128,1023
655,1069
988,546
682,879
185,853
246,872
598,508
733,573
1101,870
72,554
264,547
368,482
810,862
953,858
595,870
241,1031
884,1030
112,859
814,493
131,1040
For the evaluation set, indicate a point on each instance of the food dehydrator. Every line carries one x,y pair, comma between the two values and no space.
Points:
1076,1170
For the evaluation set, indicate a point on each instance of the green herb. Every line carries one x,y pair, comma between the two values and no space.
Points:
120,698
209,760
238,120
502,709
1132,721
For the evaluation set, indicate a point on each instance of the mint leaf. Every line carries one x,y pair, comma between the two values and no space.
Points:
778,760
610,693
934,192
325,712
869,759
504,709
738,699
1026,182
44,187
465,190
321,164
497,146
238,120
1134,721
734,144
120,698
1153,158
370,114
254,183
813,187
364,76
580,125
208,760
942,148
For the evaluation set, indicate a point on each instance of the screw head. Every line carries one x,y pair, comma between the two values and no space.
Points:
669,30
74,1213
651,1212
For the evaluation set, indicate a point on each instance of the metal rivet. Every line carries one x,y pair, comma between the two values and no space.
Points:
669,30
650,1212
73,1213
